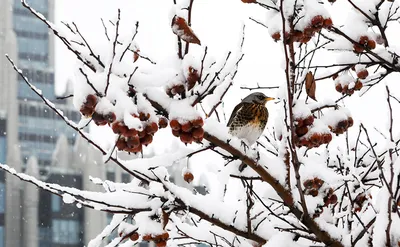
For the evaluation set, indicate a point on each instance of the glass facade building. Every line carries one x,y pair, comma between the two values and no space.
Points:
38,127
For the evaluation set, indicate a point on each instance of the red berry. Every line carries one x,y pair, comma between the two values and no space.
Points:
176,133
187,127
121,144
99,119
146,140
197,123
175,124
309,120
276,36
364,40
327,138
188,177
134,236
301,131
110,117
131,133
358,85
186,137
317,21
151,128
133,142
162,122
91,101
86,111
198,133
362,74
350,122
144,116
141,134
328,23
371,44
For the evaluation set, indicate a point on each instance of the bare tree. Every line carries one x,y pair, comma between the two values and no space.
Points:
311,178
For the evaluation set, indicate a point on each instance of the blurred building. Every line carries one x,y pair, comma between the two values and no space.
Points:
29,132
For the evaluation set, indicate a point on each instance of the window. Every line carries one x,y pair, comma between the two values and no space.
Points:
3,149
2,197
1,236
65,231
55,203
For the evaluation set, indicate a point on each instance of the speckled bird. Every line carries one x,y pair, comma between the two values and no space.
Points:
249,118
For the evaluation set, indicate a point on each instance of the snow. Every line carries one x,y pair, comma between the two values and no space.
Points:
338,164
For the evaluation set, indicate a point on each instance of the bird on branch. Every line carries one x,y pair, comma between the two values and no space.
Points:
249,118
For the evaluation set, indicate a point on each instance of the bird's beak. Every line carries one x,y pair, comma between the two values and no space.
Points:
268,99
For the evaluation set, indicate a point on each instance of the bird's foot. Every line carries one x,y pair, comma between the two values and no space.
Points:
245,146
258,156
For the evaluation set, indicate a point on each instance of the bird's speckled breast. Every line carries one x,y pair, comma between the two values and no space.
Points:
249,122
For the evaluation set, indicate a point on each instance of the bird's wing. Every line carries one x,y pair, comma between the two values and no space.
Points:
233,114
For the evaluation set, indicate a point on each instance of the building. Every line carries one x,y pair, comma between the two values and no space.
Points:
34,140
28,129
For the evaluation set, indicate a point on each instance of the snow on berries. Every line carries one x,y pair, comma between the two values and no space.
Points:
364,42
317,187
347,85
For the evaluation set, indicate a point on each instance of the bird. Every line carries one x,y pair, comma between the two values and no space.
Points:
249,118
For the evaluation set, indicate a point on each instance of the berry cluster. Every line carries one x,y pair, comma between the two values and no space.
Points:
342,126
88,110
189,131
160,240
364,43
347,90
188,177
317,23
306,138
314,187
132,140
